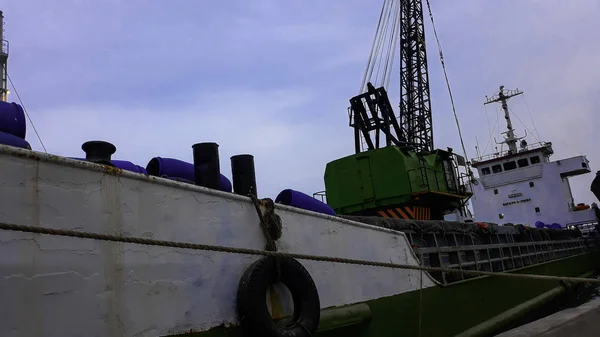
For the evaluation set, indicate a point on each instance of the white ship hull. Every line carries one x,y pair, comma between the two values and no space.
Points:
55,286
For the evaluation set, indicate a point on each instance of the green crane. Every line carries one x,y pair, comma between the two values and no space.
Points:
401,175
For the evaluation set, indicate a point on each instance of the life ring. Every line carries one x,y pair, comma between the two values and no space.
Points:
252,310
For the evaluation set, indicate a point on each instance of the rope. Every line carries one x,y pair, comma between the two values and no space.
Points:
489,141
487,119
248,251
462,143
390,62
270,223
525,126
25,110
420,303
372,53
381,57
531,116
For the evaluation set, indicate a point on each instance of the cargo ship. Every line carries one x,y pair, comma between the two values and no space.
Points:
94,245
521,184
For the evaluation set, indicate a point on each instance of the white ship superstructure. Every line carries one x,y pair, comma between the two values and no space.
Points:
521,185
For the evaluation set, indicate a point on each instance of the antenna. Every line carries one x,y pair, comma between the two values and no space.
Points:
502,97
3,62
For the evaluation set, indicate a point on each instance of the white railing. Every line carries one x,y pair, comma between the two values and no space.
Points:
534,146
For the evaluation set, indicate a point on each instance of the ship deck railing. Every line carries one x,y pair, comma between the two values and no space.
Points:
502,253
502,153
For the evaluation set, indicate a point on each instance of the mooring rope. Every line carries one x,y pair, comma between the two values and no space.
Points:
270,222
248,251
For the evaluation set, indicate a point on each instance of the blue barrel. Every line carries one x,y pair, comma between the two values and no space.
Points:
128,166
555,226
225,184
169,167
298,199
180,170
12,119
539,224
12,140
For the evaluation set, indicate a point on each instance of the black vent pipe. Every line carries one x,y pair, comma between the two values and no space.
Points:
206,165
243,175
98,151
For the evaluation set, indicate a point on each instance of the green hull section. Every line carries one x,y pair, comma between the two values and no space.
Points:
447,310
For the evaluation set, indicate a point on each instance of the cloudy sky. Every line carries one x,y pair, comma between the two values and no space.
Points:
273,78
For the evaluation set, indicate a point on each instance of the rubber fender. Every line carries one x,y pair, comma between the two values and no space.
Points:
252,310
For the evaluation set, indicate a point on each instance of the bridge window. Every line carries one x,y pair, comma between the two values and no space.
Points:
495,191
500,216
523,162
531,184
535,159
485,171
496,168
511,165
537,209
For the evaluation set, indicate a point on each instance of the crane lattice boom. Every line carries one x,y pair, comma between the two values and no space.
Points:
372,115
415,105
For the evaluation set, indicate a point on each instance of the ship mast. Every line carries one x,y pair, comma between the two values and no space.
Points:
3,62
502,97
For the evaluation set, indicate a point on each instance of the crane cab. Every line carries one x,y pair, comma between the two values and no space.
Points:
396,182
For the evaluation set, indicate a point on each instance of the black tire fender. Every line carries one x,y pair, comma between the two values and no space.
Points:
252,310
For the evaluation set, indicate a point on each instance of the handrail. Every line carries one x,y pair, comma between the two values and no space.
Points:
321,195
534,146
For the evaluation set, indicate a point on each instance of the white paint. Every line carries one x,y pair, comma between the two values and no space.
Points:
58,287
550,193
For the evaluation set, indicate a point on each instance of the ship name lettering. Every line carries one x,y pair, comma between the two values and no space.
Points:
516,202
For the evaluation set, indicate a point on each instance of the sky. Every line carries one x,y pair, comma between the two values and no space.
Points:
273,78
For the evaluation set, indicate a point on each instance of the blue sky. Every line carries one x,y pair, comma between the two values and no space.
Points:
273,78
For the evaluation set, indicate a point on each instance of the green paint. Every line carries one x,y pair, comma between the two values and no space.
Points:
346,316
449,310
515,313
384,177
446,310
